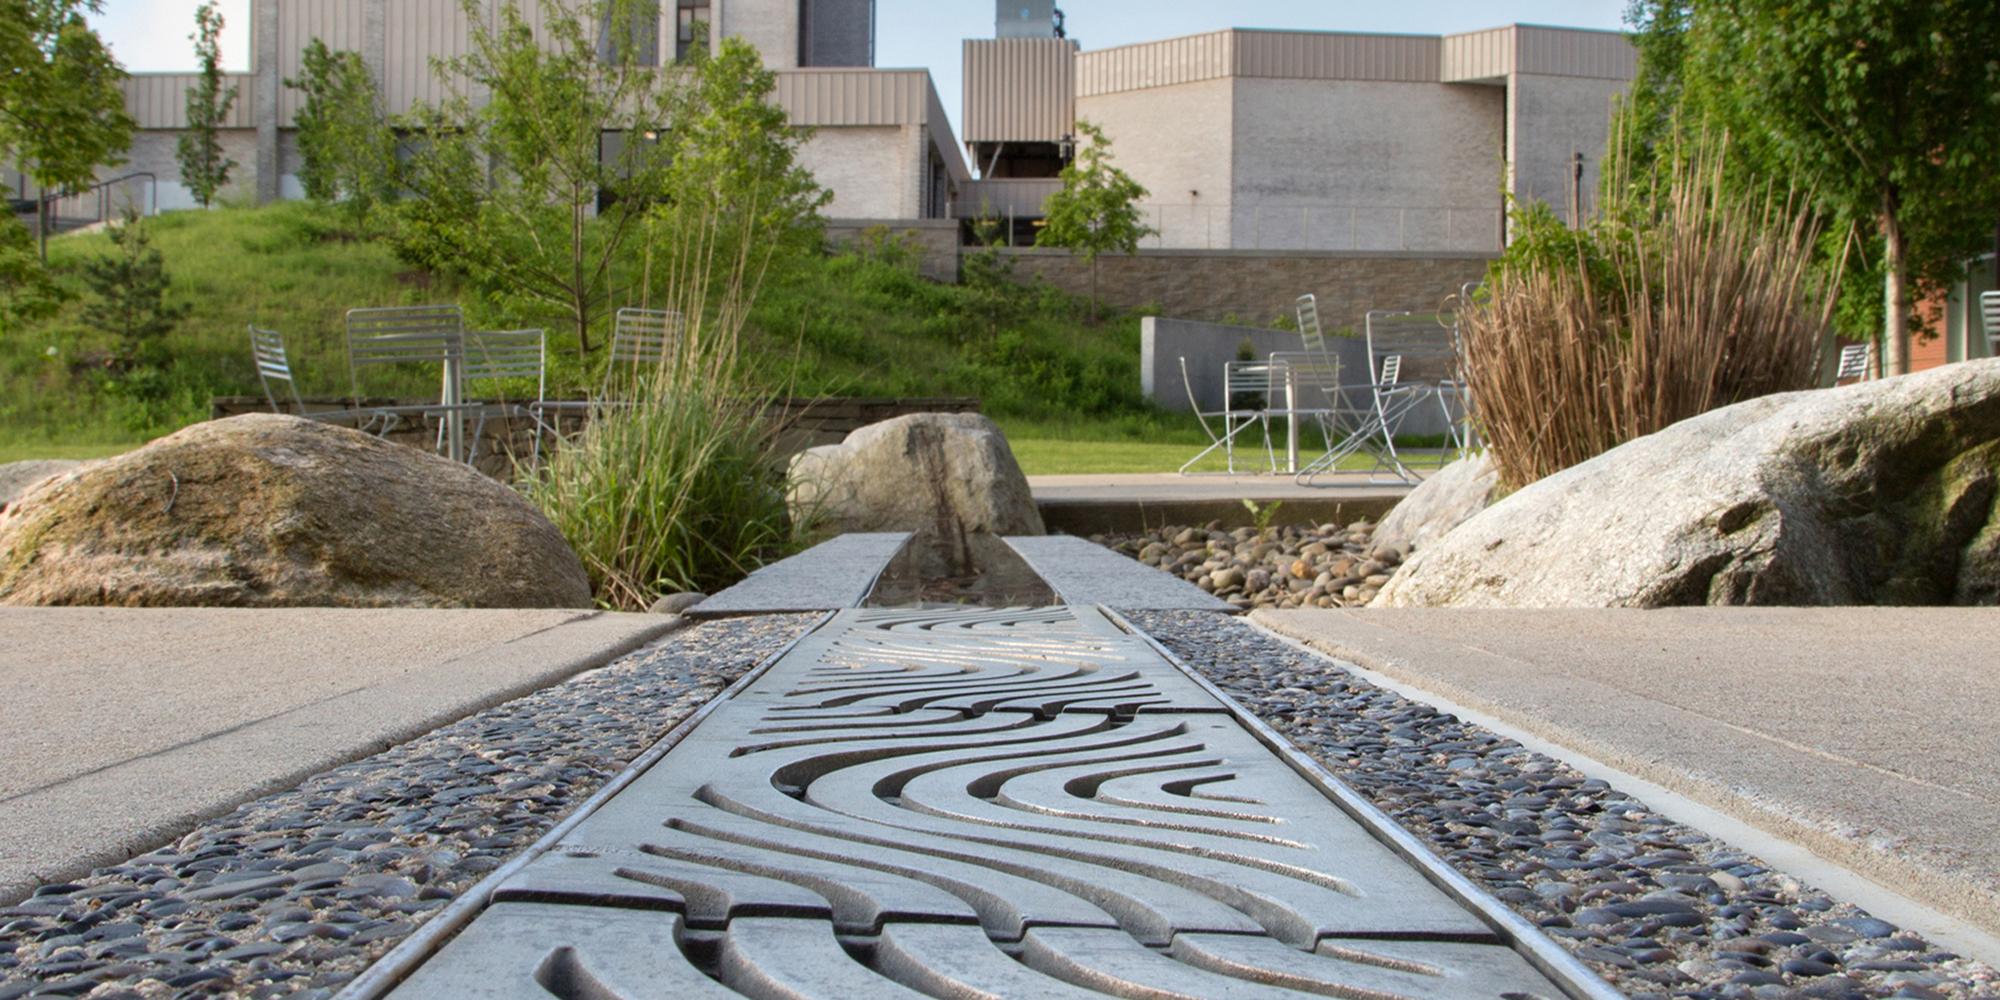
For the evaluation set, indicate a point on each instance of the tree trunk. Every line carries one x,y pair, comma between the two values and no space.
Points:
42,224
1895,290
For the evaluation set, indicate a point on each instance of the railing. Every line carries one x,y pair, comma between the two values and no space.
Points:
1220,225
100,198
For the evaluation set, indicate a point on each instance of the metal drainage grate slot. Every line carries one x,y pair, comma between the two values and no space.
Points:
977,803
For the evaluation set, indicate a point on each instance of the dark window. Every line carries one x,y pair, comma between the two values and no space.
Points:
630,29
690,26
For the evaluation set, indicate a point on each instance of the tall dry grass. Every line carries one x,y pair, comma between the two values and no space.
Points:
1689,294
676,483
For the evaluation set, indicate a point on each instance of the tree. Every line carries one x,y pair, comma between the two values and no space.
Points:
129,290
1096,210
62,106
348,153
1890,108
204,168
28,292
524,229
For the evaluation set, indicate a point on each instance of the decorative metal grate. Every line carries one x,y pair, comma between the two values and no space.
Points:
974,803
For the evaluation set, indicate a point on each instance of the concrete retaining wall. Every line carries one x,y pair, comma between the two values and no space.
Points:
935,241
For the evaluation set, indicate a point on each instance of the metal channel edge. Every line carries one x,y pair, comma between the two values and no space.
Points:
1550,958
389,971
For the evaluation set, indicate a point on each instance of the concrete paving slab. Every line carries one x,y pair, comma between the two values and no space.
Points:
1085,573
127,726
1868,735
834,574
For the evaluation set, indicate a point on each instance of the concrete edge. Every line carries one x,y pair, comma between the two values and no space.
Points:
625,639
1817,857
1089,517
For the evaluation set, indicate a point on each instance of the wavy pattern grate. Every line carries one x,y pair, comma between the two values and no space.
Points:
973,803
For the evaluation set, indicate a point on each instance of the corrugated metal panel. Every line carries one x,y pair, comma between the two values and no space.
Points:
417,32
1602,55
335,22
1313,55
1479,55
1019,89
159,100
834,97
1155,64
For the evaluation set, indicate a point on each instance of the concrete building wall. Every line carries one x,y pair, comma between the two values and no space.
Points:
1174,140
873,172
1364,165
154,152
771,25
1553,118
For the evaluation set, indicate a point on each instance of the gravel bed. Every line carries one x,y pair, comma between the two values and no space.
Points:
296,893
1657,908
1286,566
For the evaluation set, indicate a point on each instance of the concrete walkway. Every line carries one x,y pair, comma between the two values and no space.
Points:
125,727
1869,735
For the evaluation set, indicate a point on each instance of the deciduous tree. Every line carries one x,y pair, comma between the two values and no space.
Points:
62,103
1096,211
204,168
346,149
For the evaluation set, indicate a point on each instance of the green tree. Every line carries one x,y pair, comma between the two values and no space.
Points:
1891,109
508,189
28,292
346,150
62,103
129,291
1096,211
204,168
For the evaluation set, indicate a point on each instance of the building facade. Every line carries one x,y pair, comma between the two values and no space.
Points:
882,142
1296,140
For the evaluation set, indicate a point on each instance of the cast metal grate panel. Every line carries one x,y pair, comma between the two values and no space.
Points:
974,803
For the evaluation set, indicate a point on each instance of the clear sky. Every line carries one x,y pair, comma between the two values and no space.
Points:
152,35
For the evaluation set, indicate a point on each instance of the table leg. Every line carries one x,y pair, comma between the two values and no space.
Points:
1291,422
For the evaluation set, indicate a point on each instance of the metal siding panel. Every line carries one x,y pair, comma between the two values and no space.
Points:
1599,55
837,97
1018,89
159,100
335,22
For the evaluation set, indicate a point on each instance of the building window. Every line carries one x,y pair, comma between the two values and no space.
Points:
630,30
691,26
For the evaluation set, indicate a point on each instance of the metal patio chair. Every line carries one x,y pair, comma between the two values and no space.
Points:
642,342
267,352
1989,309
1409,360
413,335
1856,361
500,356
1247,390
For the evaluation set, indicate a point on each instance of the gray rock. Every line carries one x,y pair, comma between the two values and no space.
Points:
17,478
673,604
943,476
1443,501
264,510
1880,493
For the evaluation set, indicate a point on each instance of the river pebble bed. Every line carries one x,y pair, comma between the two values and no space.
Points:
1288,566
1658,909
293,894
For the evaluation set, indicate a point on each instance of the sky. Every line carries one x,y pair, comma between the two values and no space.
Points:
152,35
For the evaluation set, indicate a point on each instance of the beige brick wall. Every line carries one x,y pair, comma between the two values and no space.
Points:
154,151
1175,141
1256,288
1554,118
873,171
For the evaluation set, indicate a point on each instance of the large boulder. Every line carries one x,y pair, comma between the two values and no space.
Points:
1440,503
276,511
1881,493
947,476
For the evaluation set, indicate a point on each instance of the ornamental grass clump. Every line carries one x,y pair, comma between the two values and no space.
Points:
1691,293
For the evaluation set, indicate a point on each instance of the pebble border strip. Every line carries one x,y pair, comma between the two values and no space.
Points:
1657,908
295,893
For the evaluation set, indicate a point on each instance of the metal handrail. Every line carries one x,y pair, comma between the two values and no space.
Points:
103,191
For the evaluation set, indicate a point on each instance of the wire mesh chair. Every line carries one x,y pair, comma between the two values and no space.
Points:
1309,329
1408,358
642,342
498,357
1247,390
1856,361
1989,309
407,335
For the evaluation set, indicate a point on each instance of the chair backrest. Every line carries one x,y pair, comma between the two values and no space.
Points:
1314,376
1989,309
1419,343
267,352
492,355
403,335
641,339
1309,328
1853,362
